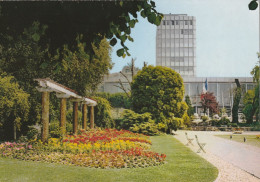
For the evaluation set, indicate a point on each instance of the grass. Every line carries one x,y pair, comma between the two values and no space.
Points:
250,139
182,165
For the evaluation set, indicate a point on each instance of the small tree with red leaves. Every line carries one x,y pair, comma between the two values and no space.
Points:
208,101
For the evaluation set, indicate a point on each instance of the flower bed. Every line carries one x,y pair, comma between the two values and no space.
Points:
108,148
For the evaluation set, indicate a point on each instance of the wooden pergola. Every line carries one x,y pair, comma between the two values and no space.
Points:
46,86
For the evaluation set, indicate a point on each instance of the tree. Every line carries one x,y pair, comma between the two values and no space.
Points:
237,97
250,104
14,106
190,110
251,98
208,101
78,71
255,74
94,20
159,91
82,72
121,86
253,5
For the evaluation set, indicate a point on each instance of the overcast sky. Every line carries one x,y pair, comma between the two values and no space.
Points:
227,37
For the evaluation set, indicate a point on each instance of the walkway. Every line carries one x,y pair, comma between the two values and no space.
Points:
230,157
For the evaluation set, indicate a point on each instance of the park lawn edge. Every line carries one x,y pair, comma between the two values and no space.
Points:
181,165
250,139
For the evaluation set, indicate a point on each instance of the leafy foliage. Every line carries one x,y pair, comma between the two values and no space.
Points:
159,91
113,20
81,72
255,73
139,123
102,113
78,71
186,120
190,110
251,104
236,102
117,100
14,105
253,5
208,101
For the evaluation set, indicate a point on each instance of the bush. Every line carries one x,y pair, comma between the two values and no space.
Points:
148,128
120,100
234,124
159,91
204,118
139,123
214,122
33,133
186,120
224,121
102,113
117,100
55,130
14,106
256,126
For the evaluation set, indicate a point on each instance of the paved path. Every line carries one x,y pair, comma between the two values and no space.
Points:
230,157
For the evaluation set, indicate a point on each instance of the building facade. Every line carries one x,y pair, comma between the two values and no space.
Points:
176,49
176,43
222,87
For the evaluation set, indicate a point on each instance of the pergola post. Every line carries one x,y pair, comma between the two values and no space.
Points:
92,117
47,85
63,116
84,118
75,117
63,107
45,116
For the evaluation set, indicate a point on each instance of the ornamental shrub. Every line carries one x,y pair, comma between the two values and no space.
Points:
186,120
139,123
159,91
102,113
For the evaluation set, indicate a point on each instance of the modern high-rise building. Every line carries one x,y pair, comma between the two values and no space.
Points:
176,43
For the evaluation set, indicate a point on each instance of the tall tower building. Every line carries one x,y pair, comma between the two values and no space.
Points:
176,44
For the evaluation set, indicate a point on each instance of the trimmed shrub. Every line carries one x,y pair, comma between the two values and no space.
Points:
139,123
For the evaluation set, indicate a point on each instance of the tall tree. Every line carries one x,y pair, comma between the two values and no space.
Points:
251,106
251,99
236,101
208,101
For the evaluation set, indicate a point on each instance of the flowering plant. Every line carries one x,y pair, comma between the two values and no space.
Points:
107,148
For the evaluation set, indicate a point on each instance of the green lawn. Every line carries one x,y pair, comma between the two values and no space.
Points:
182,165
250,139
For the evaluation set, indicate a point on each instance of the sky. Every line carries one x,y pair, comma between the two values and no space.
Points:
227,37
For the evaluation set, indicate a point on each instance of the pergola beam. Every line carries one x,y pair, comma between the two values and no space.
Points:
46,86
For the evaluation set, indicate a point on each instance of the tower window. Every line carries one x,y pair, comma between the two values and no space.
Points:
163,22
172,22
191,22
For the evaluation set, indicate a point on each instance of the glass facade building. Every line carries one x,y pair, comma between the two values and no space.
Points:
176,43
